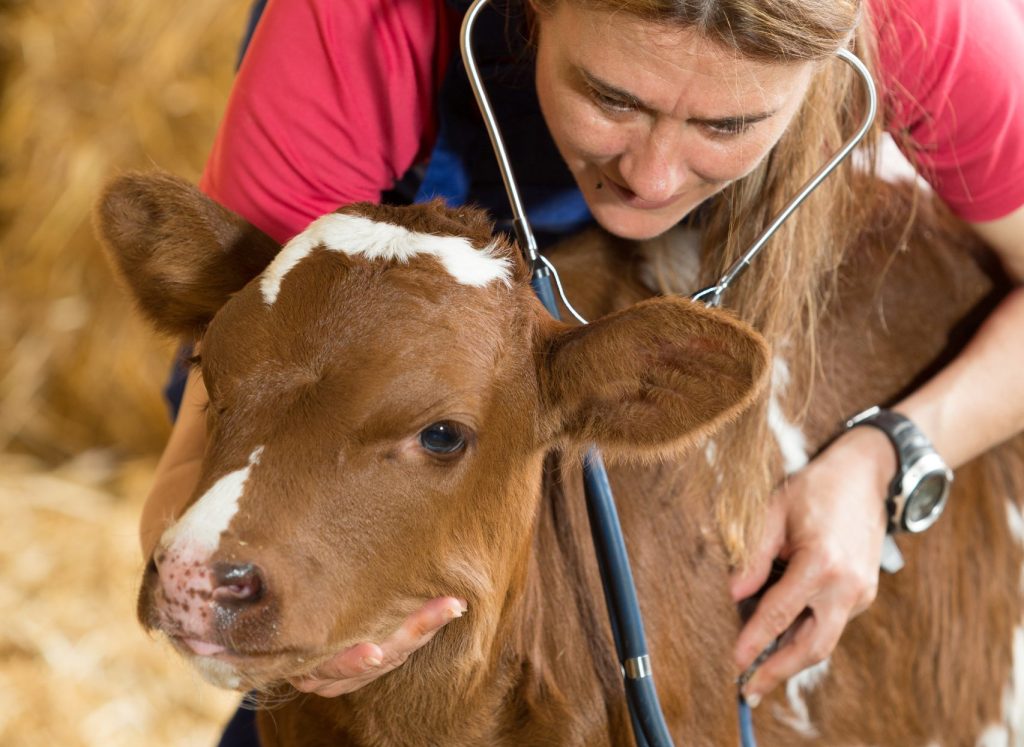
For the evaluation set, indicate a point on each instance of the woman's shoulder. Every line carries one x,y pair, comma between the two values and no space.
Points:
921,42
954,95
334,101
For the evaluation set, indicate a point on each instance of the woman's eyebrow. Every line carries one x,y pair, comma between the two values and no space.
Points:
733,121
610,90
722,122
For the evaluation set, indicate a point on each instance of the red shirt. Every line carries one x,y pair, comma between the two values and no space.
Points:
335,100
953,76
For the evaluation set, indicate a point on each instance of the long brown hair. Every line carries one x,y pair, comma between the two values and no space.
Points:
792,279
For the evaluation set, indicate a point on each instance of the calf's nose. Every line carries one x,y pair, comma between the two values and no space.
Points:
237,585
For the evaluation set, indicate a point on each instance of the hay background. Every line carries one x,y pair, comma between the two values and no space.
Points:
89,88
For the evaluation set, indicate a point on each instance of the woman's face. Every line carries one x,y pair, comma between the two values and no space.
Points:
653,120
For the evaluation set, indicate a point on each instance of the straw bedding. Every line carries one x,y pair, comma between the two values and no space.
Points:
76,670
89,88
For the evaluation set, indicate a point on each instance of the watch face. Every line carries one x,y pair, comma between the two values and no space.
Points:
926,498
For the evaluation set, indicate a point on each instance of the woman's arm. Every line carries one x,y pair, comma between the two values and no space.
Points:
828,520
177,472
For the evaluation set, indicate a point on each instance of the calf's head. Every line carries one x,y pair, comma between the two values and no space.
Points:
382,393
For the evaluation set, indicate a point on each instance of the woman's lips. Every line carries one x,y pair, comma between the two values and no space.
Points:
631,199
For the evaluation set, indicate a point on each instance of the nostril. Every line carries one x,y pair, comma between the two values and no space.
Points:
237,584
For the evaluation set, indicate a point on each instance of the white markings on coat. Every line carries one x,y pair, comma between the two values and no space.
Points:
1013,694
790,438
1015,520
356,235
995,735
798,718
198,531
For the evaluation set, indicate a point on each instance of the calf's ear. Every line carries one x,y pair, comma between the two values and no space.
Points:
181,254
655,377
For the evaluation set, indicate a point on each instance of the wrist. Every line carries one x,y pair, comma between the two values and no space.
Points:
875,457
919,487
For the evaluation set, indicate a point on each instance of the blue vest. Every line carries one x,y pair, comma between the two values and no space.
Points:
463,169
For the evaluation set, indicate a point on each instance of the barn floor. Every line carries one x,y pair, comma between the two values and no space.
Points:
76,669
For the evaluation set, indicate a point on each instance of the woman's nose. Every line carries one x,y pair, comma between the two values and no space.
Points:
653,167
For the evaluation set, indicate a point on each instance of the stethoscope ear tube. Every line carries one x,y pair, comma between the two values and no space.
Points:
649,727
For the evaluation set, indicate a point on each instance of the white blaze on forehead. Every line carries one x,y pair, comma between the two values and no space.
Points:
354,234
791,440
199,530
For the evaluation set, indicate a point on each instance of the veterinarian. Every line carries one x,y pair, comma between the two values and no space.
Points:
640,115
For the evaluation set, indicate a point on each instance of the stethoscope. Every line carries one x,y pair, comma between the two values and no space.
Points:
649,727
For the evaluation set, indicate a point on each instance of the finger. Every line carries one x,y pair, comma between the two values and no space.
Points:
750,578
364,662
331,688
360,659
777,610
812,641
419,628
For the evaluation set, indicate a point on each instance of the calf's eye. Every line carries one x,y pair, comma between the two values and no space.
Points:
444,438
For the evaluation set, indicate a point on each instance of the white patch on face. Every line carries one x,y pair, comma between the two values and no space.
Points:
217,673
354,234
790,438
197,533
799,719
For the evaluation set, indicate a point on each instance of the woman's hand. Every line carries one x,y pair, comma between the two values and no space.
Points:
360,664
827,522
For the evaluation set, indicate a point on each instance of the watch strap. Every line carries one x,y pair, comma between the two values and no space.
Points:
911,446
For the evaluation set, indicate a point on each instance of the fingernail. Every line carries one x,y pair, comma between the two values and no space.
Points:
371,662
752,700
452,612
464,604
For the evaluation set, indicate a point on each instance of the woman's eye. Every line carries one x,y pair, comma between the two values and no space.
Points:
610,103
729,128
443,439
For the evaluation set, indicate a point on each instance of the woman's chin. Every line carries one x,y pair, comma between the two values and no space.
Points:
627,224
636,224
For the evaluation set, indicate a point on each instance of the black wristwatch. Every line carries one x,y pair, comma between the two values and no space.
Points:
920,488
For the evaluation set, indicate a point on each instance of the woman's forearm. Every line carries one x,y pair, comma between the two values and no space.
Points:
977,401
177,472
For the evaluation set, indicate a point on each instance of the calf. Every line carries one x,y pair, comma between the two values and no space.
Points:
384,396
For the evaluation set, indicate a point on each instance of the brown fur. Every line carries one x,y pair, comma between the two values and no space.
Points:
355,528
182,255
